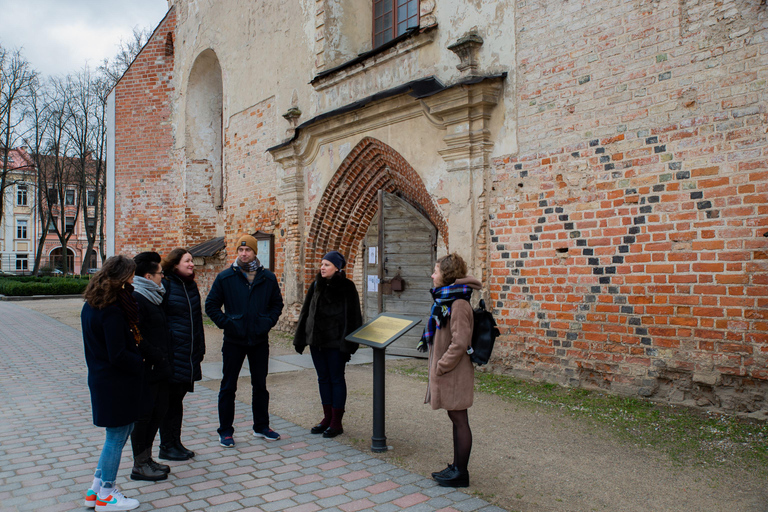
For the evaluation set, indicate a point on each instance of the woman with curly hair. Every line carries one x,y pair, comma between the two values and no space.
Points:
447,336
184,314
111,339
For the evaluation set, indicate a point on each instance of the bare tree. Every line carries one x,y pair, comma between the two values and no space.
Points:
39,122
86,128
16,78
127,51
58,170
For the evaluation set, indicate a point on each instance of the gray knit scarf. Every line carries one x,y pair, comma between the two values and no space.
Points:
148,289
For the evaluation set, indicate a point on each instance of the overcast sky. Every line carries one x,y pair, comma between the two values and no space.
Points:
60,36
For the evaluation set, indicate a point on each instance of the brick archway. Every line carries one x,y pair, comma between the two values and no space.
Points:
349,202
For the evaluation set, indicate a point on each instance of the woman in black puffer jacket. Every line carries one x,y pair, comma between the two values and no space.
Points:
185,321
330,312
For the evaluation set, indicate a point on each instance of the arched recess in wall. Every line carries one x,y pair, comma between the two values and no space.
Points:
204,189
349,202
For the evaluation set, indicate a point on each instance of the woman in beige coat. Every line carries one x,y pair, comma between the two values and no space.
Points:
447,336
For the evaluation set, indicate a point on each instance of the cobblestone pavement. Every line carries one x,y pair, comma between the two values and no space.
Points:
49,447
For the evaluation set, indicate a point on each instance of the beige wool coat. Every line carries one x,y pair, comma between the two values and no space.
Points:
451,372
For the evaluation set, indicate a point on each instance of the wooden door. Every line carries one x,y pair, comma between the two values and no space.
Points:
409,247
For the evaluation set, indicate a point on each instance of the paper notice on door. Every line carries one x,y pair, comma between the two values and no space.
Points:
373,284
373,255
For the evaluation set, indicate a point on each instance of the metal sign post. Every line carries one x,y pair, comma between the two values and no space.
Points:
377,334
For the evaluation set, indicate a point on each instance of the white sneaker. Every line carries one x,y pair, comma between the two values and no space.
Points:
115,501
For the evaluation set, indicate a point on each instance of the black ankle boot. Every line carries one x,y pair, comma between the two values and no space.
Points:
181,447
172,452
443,472
453,478
143,471
165,468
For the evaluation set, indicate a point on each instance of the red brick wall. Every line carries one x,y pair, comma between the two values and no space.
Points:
627,236
144,182
349,202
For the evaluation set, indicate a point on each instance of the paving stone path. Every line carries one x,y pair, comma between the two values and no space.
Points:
49,447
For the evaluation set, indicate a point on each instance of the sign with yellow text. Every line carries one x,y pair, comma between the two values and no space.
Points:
383,330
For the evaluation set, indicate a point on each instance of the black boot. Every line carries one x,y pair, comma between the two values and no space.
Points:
143,471
325,423
181,447
443,472
453,478
172,452
165,468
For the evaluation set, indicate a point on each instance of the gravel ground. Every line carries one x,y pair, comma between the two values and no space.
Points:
524,458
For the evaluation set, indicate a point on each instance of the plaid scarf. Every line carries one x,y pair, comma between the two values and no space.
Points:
441,310
248,267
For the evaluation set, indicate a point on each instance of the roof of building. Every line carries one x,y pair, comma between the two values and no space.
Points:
208,248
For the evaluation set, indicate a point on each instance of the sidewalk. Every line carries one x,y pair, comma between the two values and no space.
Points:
49,447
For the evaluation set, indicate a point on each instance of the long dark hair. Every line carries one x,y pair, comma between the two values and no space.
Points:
104,286
172,260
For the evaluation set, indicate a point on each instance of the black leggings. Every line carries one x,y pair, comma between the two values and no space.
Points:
462,439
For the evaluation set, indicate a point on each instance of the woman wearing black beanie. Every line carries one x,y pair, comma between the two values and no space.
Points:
330,312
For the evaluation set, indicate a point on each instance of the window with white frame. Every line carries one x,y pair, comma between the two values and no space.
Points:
69,197
21,229
69,224
21,194
22,262
91,197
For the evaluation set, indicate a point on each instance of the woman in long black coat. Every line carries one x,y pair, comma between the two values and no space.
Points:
111,340
330,312
156,349
184,312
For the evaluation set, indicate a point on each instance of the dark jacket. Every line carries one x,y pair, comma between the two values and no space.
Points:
155,343
331,310
183,312
114,366
250,310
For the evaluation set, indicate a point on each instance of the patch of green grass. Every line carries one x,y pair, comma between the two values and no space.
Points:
688,436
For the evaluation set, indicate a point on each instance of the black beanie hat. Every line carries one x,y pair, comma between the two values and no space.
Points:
336,258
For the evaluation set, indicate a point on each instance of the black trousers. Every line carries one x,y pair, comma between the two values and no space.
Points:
233,356
153,410
170,427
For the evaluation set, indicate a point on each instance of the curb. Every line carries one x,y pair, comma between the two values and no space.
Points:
14,298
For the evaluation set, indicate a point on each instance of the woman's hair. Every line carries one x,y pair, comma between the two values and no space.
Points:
105,284
452,267
173,259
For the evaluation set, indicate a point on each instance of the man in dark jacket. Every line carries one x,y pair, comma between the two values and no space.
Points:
252,305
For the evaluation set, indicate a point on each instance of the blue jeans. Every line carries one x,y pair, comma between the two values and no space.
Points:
330,365
109,461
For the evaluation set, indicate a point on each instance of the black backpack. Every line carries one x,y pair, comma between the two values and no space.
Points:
484,335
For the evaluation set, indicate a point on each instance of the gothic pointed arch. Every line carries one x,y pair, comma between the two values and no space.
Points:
349,203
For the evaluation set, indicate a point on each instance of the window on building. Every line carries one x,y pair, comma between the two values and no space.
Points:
21,195
52,224
90,197
69,224
392,18
21,229
90,225
69,197
53,196
22,262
